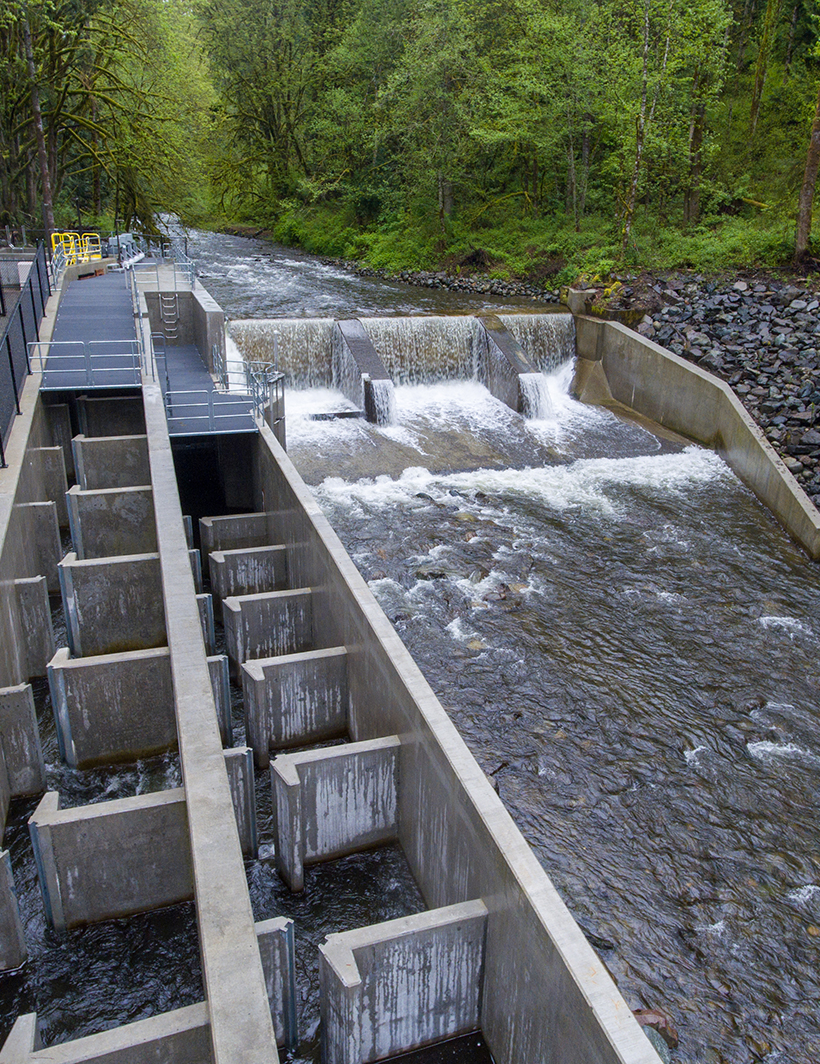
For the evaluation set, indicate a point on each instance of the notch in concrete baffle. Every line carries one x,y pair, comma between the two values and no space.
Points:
405,983
331,802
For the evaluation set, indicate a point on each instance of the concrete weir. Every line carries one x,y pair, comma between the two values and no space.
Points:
358,748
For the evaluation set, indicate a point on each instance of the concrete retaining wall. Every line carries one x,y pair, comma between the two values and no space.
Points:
102,861
241,1029
112,521
113,604
266,625
680,396
331,802
181,331
111,461
294,699
208,326
460,841
401,984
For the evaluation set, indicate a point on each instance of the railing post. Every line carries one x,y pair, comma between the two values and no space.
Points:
13,375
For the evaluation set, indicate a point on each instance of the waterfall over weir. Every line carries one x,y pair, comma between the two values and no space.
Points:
414,350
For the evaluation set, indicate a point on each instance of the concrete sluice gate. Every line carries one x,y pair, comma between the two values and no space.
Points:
205,598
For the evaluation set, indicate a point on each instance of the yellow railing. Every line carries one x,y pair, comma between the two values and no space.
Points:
77,248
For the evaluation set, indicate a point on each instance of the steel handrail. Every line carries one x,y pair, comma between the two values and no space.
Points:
50,361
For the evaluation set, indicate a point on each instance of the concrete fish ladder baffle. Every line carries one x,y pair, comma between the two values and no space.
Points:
318,660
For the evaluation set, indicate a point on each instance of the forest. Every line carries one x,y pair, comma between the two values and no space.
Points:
522,138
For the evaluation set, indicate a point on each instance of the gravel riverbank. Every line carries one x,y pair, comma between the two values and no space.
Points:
762,337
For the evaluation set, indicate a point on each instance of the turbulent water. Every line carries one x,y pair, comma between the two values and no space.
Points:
629,645
627,642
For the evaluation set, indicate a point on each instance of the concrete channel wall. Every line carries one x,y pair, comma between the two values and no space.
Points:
241,1027
617,363
460,842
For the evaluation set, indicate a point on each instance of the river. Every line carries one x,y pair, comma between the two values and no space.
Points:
629,645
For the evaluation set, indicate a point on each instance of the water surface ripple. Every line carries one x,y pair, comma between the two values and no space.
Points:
629,646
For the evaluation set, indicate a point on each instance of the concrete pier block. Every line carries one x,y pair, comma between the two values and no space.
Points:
120,707
267,625
12,940
112,707
179,1037
113,604
43,528
331,802
112,521
111,461
294,699
35,618
278,952
103,861
248,571
359,372
239,764
116,416
20,741
5,793
399,985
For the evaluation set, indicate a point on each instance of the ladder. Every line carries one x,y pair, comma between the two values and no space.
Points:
169,313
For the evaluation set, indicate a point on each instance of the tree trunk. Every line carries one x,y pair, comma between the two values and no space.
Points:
445,198
770,20
787,62
585,153
746,20
691,203
801,243
42,158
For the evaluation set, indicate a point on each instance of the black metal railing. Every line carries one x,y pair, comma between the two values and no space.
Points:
20,327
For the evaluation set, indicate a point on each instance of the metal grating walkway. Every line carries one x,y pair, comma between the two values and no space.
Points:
94,346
